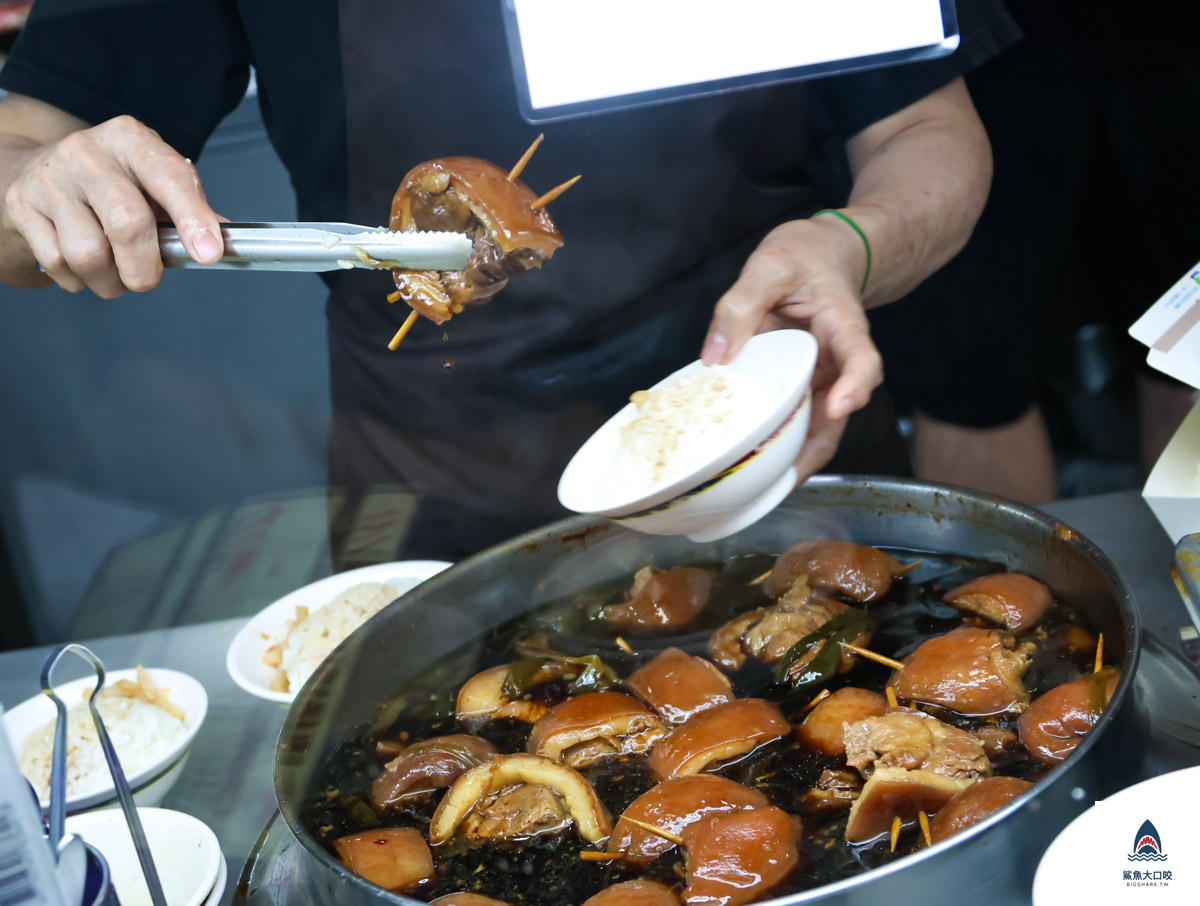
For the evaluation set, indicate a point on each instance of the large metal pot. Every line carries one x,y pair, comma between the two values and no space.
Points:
991,863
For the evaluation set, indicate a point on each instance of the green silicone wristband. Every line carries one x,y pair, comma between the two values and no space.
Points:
861,235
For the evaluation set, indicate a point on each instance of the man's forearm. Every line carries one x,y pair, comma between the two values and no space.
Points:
921,181
18,267
26,127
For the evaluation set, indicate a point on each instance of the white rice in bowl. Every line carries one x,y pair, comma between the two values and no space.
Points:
314,636
680,425
141,732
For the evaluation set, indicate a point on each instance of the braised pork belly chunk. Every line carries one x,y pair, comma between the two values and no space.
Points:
1057,721
834,790
716,732
997,742
853,571
591,728
717,736
467,195
427,766
735,857
914,764
483,698
894,795
679,686
976,672
671,806
518,796
395,858
974,804
914,741
1014,601
825,726
662,600
635,893
769,634
516,812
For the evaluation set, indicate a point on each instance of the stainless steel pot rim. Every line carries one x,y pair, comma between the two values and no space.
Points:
588,527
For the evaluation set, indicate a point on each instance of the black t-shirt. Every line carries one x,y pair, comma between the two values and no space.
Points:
674,199
181,65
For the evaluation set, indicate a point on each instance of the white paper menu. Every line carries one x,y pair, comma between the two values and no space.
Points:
26,865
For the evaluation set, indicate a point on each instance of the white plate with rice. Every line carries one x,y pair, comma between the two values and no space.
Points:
706,451
151,733
275,653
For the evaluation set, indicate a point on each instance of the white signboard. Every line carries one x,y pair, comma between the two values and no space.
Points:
580,56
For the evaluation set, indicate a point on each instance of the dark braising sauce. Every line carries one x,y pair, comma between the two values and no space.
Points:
546,870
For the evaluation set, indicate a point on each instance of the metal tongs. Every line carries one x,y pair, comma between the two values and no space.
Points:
58,773
322,247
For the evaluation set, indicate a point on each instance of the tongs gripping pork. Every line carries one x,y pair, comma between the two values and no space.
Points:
467,195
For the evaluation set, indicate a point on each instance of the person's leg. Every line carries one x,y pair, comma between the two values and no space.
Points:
961,353
1012,460
872,444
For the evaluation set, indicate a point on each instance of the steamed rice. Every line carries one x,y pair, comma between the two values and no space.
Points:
680,425
315,636
141,733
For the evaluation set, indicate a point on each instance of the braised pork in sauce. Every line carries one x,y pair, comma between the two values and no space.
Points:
678,789
475,197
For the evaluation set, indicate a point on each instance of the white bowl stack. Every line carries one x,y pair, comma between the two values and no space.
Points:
187,855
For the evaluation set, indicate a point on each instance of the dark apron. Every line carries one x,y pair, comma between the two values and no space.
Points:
479,418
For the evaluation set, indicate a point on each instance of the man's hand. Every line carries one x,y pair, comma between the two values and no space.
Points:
921,178
807,273
87,204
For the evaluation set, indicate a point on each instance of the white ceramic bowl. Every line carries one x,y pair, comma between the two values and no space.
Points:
738,483
244,659
150,784
218,888
187,855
